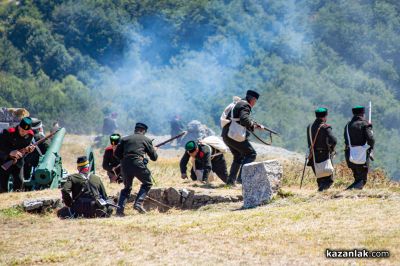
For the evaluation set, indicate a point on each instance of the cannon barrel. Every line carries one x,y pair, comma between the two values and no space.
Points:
49,171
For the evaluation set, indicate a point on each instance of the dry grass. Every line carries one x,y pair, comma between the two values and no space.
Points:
294,229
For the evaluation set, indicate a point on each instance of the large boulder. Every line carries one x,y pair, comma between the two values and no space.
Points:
260,181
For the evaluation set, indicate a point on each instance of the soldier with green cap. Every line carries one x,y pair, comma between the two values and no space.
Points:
205,158
111,163
84,194
132,151
358,135
12,140
243,152
323,142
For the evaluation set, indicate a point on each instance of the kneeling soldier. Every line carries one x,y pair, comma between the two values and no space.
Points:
206,158
88,197
131,151
111,163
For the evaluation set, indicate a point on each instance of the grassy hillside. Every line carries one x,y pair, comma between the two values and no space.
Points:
295,228
73,60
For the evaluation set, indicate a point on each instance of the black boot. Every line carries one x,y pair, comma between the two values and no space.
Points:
138,205
235,167
121,203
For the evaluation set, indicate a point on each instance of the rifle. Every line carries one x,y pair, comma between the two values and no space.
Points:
304,170
171,139
370,153
270,131
24,151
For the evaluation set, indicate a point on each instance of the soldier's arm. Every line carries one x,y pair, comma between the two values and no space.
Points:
106,161
119,151
207,166
150,150
66,192
245,119
102,189
332,141
370,136
183,163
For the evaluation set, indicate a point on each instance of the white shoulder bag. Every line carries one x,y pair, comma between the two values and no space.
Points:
322,169
358,154
236,131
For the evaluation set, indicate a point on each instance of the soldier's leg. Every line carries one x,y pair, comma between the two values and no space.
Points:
124,194
354,169
237,160
17,175
145,177
249,155
324,183
360,177
4,175
219,167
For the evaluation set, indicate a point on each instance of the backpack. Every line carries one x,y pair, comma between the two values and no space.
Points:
216,143
224,116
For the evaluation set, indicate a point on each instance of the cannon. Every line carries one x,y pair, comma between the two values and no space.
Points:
49,172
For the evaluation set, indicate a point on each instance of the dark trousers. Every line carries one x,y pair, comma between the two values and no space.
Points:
360,173
243,153
218,165
15,172
142,173
324,183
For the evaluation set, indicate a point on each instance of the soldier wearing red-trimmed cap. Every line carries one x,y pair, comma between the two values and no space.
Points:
324,143
11,141
132,151
83,194
358,134
243,152
111,163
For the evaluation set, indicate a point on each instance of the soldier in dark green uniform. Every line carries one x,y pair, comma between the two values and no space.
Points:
324,145
131,151
360,133
84,194
243,152
111,163
11,141
206,158
32,159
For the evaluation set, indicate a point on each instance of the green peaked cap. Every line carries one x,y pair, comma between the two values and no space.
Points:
190,146
321,110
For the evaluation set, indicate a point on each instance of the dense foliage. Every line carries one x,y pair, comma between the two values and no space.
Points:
69,60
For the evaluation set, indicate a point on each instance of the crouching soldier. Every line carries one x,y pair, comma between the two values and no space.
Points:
131,151
206,159
111,163
84,194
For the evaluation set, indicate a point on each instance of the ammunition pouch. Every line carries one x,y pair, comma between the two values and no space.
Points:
85,207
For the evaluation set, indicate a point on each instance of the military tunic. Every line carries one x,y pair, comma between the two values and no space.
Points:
131,151
243,152
361,133
80,194
207,159
109,162
10,140
325,144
